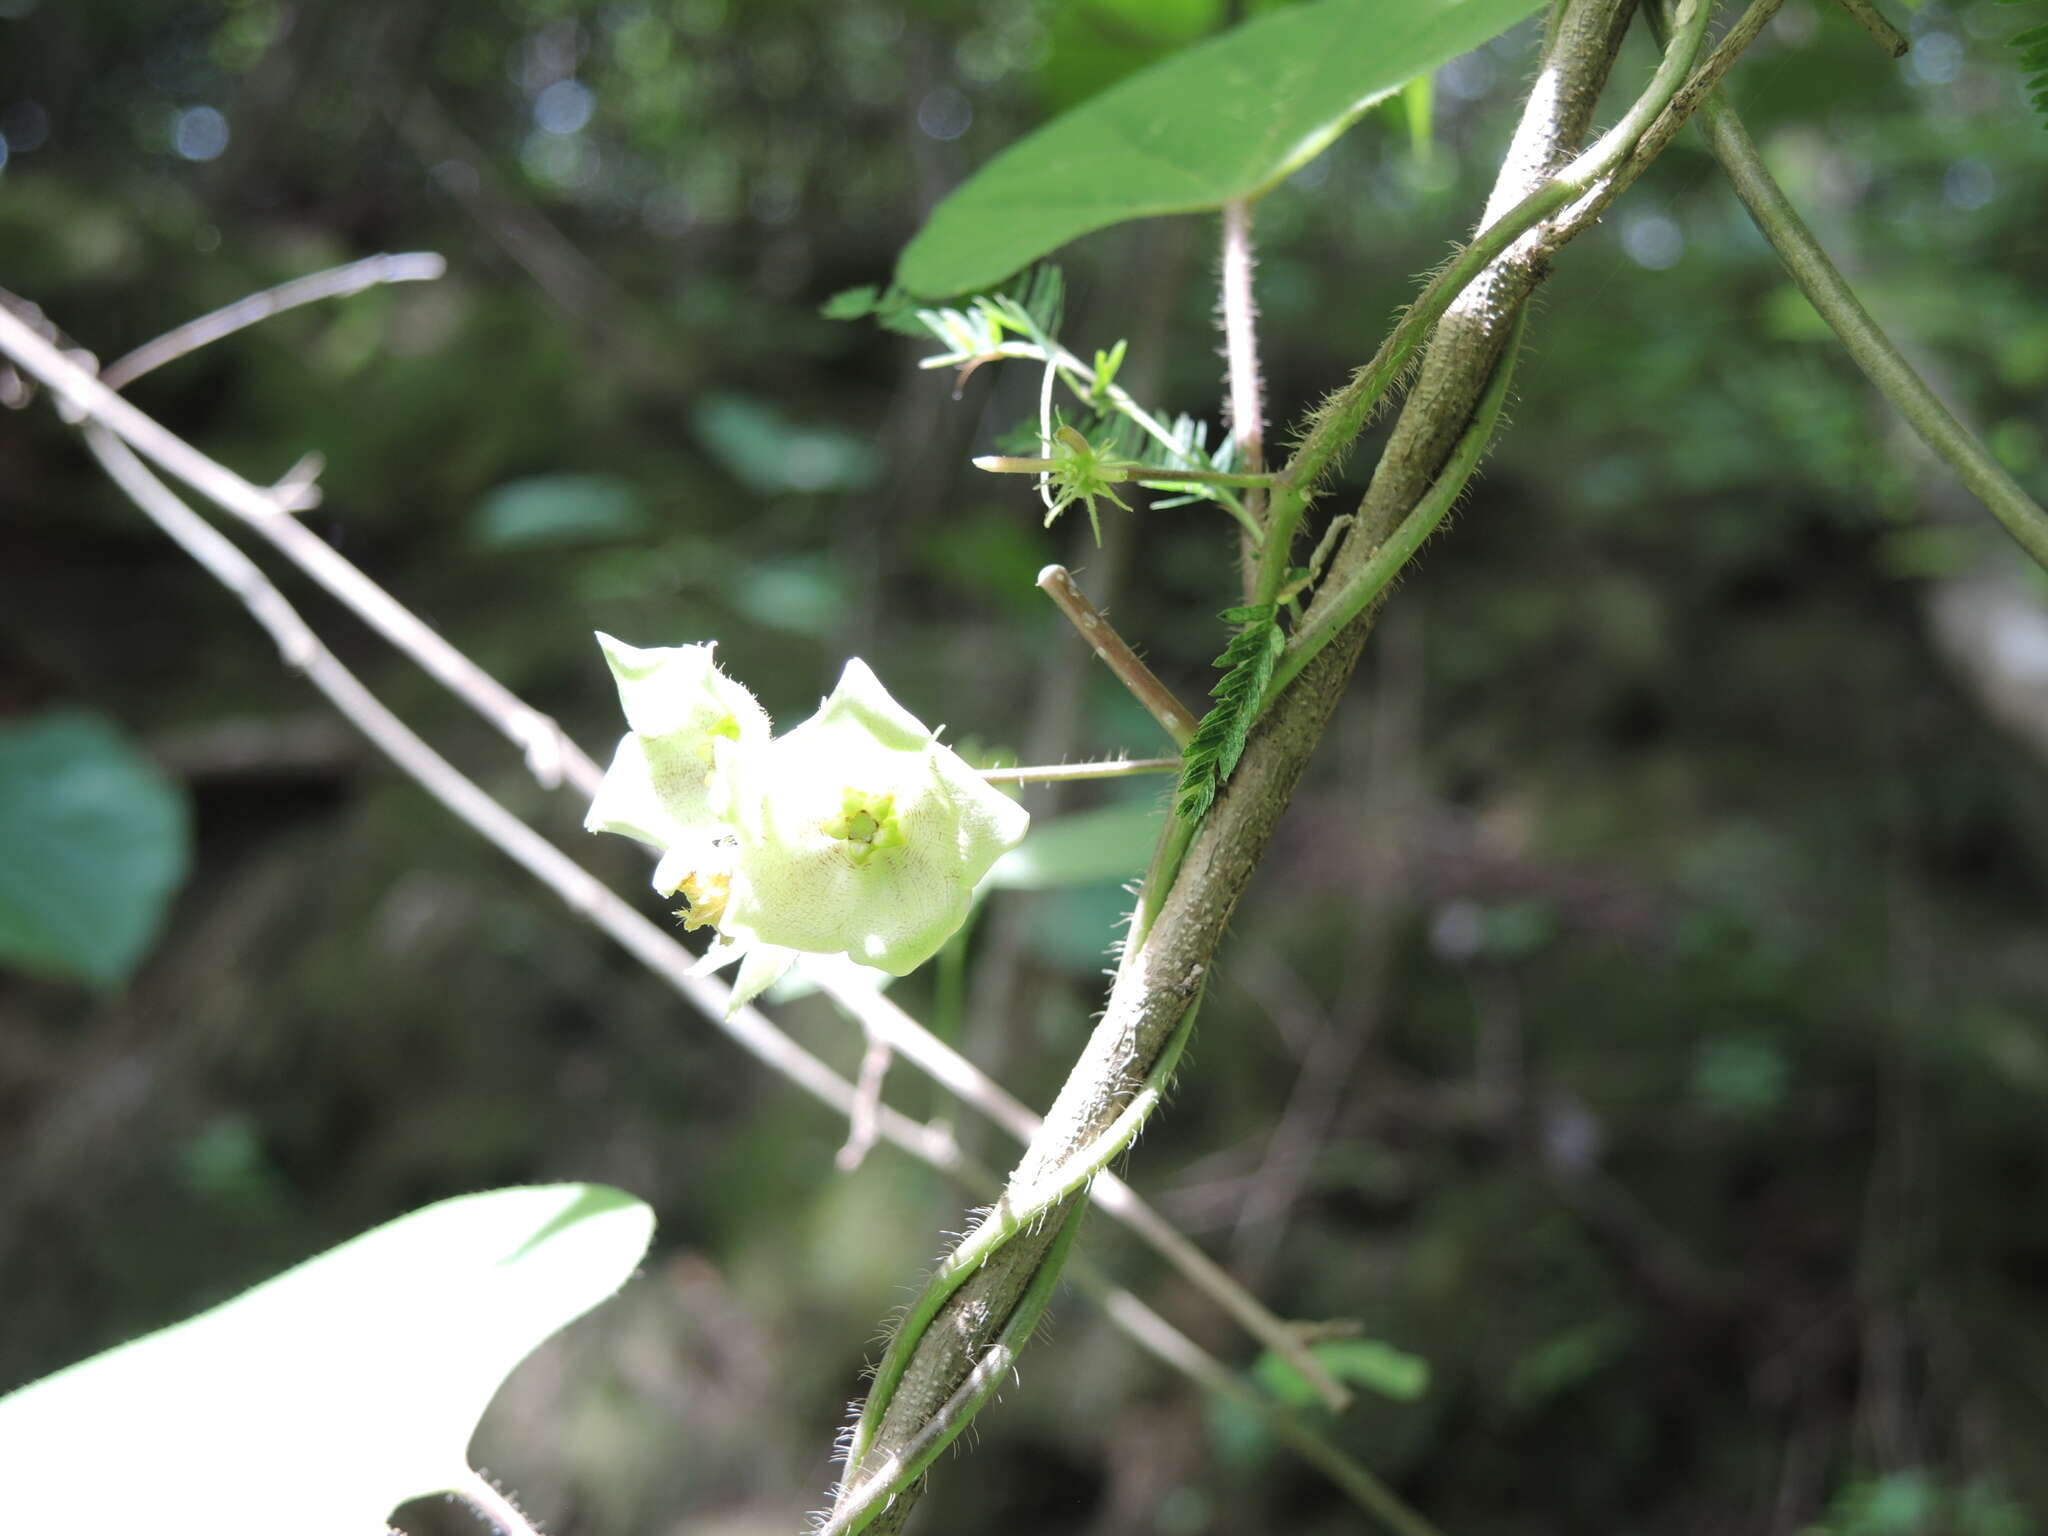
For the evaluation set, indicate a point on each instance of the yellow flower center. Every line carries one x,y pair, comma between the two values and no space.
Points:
706,894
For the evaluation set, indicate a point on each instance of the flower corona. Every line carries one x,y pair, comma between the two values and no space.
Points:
857,833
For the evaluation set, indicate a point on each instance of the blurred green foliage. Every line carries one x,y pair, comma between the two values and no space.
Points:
1668,905
96,842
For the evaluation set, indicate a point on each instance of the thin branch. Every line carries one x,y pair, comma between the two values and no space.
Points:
1364,583
1207,485
550,755
1173,716
334,283
1166,967
578,889
1063,773
1865,341
1241,337
861,1126
1882,32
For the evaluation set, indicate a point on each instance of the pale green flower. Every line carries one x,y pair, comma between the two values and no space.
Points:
857,833
860,833
688,721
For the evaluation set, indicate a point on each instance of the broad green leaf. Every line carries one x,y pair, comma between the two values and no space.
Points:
559,509
1092,44
93,841
317,1402
1223,120
1367,1363
1088,848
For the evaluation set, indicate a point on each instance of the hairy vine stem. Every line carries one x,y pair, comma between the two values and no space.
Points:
1239,312
1865,341
1747,27
1513,215
1018,1209
951,1329
1364,583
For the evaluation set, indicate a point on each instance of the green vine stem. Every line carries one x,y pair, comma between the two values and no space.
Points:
1734,43
1021,1205
1364,583
332,283
857,1508
1873,351
1341,418
1166,966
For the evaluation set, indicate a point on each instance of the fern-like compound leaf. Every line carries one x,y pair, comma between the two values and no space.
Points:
1212,753
2032,47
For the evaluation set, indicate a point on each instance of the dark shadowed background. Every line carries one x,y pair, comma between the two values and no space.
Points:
1643,1016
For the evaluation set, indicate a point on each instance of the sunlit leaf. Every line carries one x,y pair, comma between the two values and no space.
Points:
317,1402
93,841
1225,119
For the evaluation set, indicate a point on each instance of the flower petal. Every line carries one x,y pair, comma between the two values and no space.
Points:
860,834
670,688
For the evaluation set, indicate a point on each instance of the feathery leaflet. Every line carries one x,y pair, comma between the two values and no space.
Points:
1212,753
